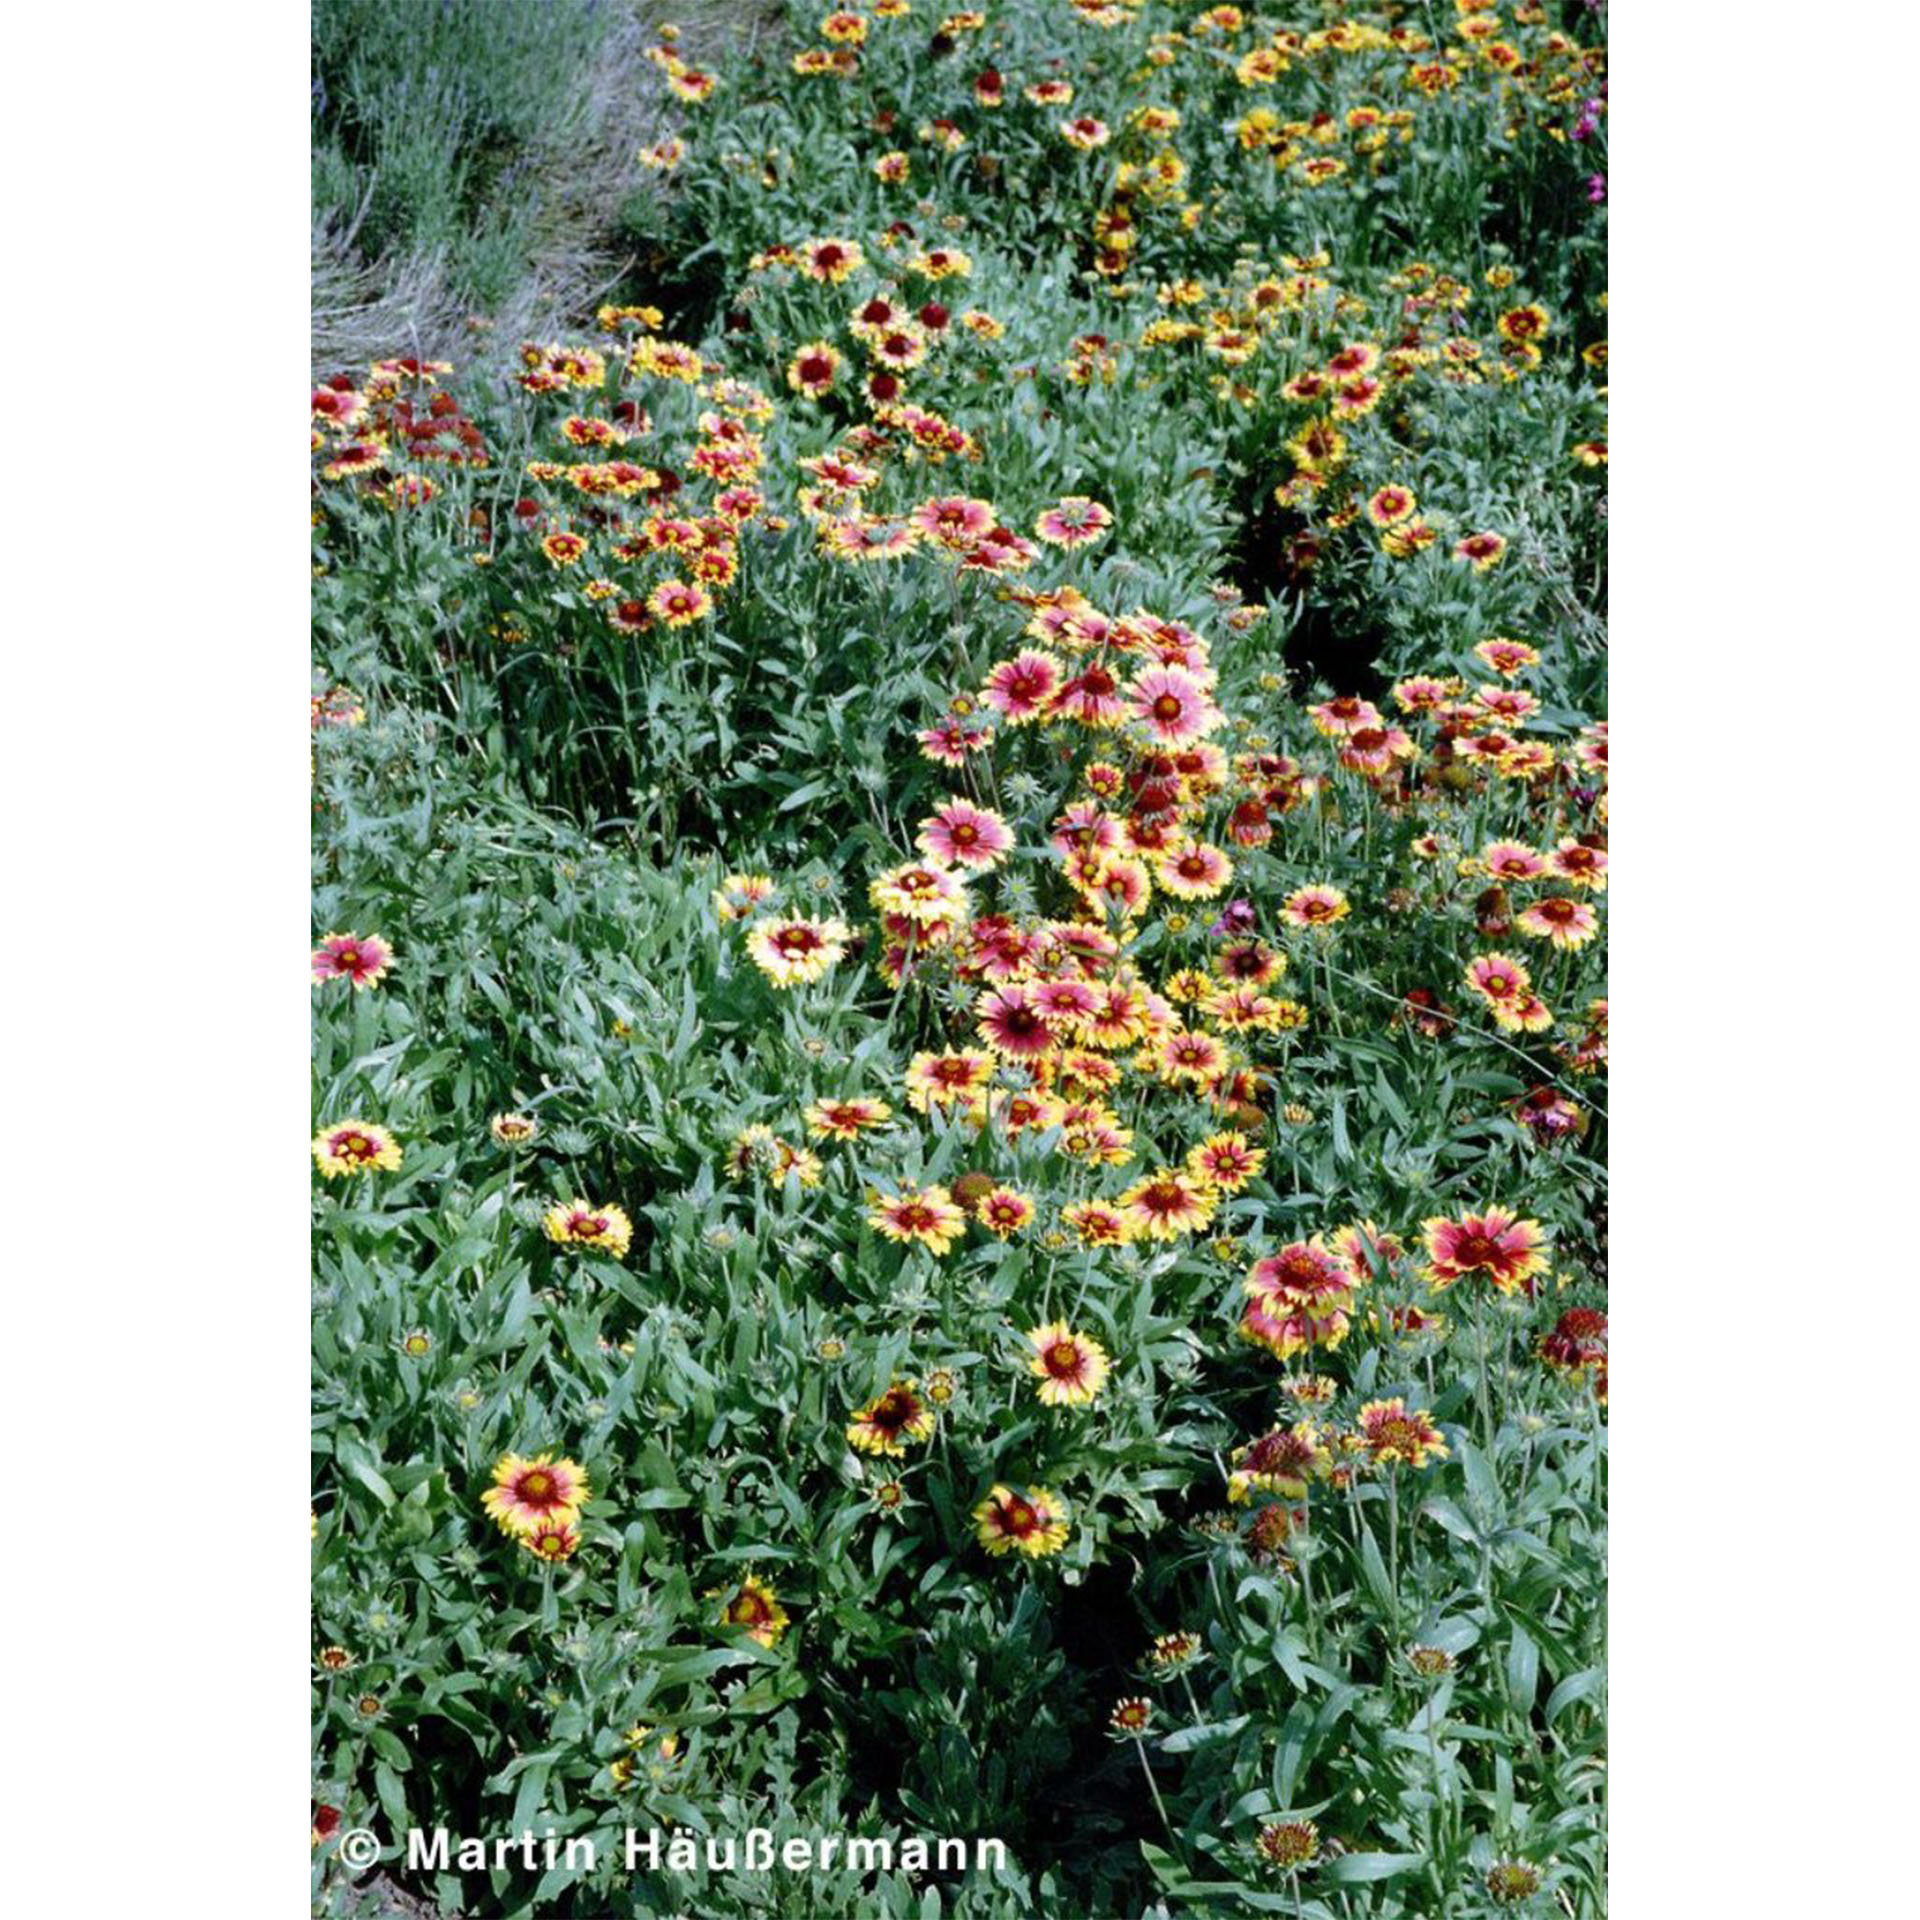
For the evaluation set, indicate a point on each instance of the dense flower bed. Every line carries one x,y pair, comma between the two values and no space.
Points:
960,1035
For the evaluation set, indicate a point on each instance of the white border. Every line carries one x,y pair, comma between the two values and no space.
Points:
158,810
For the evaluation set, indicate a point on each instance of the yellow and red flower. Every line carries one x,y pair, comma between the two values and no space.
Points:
1071,1368
1480,550
679,604
1499,1244
553,1542
1227,1161
1167,1204
797,952
527,1495
814,369
1095,1224
1004,1211
846,1119
579,1223
1389,506
1391,1436
1282,1461
1315,906
889,1424
1033,1524
923,1215
755,1609
355,1146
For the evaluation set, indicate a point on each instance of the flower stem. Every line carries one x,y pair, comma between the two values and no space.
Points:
1153,1787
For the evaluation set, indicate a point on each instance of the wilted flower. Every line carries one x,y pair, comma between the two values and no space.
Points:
1511,1881
1287,1845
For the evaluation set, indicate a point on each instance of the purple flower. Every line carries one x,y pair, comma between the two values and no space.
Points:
1597,188
1237,919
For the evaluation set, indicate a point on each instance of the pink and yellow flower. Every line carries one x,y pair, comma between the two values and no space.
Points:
1512,860
963,835
1579,865
1021,688
1315,906
527,1495
1563,922
1010,1023
1173,706
1500,981
1073,522
363,959
1192,870
1196,1058
797,952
